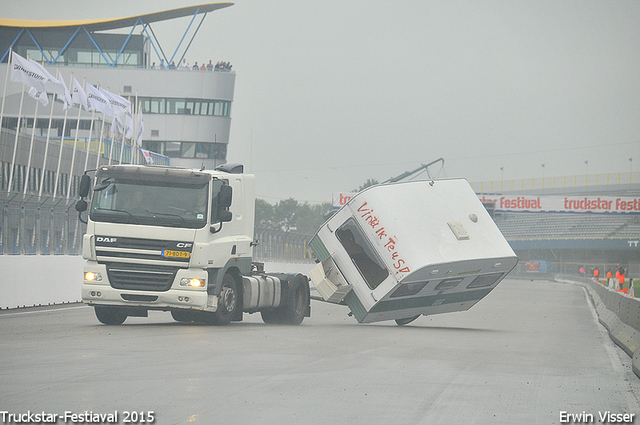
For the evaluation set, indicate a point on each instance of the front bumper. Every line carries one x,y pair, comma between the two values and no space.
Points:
177,297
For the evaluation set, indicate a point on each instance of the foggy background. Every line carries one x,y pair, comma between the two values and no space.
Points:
329,94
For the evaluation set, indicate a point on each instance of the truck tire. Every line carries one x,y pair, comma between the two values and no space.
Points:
294,311
271,316
182,316
228,303
110,315
295,302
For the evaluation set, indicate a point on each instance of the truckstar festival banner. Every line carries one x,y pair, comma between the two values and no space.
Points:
577,204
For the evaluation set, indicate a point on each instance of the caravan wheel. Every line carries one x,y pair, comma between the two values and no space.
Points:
402,322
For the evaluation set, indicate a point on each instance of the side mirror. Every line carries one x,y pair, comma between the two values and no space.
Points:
225,216
224,197
81,205
85,185
223,202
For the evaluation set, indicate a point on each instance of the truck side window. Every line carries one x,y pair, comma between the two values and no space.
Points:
362,254
217,184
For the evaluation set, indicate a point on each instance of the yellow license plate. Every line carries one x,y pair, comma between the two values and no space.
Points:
178,254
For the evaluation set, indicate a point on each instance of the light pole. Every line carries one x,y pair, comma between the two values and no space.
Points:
586,172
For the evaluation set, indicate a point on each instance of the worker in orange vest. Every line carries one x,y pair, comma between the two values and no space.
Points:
610,278
596,272
620,276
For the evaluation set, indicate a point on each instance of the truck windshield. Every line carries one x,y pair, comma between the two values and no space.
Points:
151,203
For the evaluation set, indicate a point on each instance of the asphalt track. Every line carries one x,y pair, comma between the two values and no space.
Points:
525,354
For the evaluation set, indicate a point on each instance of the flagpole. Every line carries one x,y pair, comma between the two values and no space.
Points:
75,145
88,146
124,132
33,133
6,83
64,127
100,142
112,140
46,146
124,135
15,145
136,125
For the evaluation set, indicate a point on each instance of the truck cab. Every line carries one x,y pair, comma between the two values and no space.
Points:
179,240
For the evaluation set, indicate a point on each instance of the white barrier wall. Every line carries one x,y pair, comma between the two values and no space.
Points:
32,280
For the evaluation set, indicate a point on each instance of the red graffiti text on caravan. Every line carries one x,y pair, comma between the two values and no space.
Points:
367,214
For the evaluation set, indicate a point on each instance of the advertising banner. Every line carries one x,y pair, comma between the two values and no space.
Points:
576,204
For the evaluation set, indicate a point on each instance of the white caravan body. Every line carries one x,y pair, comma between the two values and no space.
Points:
398,251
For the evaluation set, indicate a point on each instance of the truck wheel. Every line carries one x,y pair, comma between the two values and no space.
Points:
181,316
294,312
407,320
228,301
271,317
110,315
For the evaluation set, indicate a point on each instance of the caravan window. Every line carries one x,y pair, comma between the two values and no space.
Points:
362,254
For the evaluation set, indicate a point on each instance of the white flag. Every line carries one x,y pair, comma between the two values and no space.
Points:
128,125
147,156
79,97
116,126
65,96
27,72
97,101
119,104
39,95
140,130
53,85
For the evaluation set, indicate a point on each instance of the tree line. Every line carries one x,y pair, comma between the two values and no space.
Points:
290,215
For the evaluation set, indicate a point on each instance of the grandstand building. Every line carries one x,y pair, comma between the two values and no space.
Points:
571,226
186,116
186,112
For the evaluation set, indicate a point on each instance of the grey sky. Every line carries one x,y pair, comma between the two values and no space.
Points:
329,94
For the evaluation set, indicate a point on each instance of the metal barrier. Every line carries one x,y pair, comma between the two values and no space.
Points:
45,226
555,182
49,226
276,245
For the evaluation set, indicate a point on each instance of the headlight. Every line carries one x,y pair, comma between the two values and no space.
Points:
93,277
193,282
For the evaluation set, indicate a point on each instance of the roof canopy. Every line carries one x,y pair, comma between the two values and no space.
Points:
110,24
42,29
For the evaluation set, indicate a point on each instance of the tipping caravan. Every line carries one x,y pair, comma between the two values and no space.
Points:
398,251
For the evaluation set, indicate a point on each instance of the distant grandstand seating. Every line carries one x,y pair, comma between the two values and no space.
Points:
535,226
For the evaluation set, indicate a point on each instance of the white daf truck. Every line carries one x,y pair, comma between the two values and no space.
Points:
179,240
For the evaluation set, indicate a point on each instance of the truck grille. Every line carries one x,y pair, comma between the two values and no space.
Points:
140,277
121,249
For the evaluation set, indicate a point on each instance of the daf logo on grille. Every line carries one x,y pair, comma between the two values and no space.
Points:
103,239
